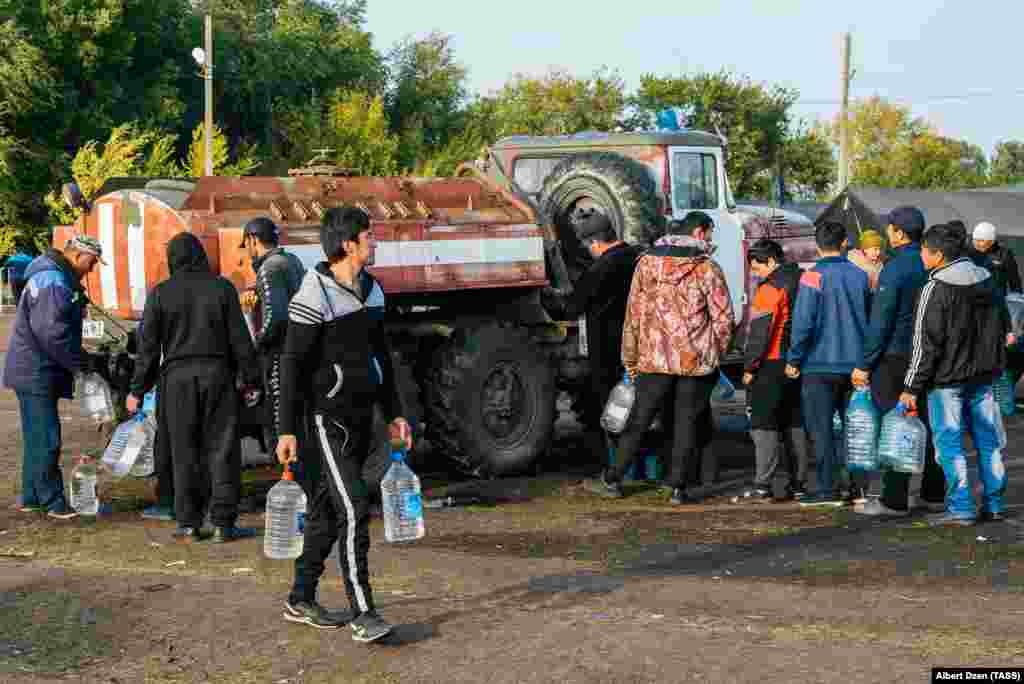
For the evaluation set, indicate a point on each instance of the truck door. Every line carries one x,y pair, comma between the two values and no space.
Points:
698,184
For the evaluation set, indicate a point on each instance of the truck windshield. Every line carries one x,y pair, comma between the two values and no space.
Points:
694,181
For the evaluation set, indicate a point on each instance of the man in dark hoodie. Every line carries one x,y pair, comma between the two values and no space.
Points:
194,320
959,347
600,295
43,354
887,354
775,415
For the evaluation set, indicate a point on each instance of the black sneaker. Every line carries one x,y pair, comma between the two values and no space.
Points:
369,627
681,498
795,492
187,534
315,615
601,487
223,535
989,516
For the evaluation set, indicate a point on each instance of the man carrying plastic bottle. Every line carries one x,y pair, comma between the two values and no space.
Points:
775,406
679,323
887,354
827,343
601,295
43,355
961,331
195,343
337,354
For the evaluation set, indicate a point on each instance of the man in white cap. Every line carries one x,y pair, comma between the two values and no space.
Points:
997,258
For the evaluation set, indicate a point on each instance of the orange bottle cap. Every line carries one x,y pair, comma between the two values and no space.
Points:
287,474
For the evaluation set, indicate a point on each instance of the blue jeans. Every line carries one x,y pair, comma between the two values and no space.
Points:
821,396
42,484
973,406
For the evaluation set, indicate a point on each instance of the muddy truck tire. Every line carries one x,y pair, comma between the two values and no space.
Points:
490,400
618,187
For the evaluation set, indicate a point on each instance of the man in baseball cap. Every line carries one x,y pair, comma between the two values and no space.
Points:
887,348
44,353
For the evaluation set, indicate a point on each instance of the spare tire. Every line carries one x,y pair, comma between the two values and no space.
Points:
621,188
490,400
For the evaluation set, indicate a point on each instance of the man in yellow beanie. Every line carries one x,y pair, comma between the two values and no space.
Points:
868,257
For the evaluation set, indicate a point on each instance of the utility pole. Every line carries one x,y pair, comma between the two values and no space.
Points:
208,79
844,122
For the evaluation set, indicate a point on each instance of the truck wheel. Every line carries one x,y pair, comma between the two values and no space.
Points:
490,400
618,187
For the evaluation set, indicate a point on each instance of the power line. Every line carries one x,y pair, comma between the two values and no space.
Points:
927,99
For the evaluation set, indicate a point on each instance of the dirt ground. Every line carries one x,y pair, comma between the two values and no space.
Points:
558,587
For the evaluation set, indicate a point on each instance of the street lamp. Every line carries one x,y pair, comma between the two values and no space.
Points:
204,58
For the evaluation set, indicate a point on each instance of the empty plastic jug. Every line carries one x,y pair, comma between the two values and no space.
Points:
1005,394
131,439
402,501
285,519
1015,303
901,445
144,462
84,481
862,425
94,398
619,406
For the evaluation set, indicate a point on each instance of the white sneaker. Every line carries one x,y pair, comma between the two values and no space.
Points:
875,507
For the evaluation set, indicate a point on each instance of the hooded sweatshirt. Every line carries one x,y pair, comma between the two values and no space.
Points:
960,329
192,316
679,317
771,317
45,349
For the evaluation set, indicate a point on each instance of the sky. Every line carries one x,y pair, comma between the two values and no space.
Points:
927,54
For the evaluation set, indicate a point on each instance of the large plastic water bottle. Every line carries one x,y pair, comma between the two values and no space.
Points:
285,519
402,501
619,405
862,425
130,440
144,464
84,481
1004,392
724,390
94,397
902,443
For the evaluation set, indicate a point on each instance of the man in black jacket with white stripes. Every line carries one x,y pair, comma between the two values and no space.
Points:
336,353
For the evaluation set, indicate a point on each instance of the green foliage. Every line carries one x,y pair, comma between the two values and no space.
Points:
357,130
809,163
559,103
753,116
1008,163
195,164
427,91
891,148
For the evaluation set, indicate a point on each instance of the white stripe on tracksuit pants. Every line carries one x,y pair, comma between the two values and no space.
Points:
338,511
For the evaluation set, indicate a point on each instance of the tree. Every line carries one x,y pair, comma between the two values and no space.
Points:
427,90
1008,163
195,165
753,116
357,130
559,103
808,163
889,147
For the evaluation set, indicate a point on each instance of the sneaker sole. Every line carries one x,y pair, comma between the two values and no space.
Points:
300,619
822,504
371,638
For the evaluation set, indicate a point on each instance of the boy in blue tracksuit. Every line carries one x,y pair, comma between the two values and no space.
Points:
827,344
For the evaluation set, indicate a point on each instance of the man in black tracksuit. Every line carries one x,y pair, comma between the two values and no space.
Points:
278,277
601,294
336,353
195,321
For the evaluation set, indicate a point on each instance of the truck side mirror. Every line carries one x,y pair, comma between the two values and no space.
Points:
72,195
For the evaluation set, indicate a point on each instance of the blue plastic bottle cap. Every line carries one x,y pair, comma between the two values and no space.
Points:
397,456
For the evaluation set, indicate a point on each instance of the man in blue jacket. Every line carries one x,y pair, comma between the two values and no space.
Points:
43,354
826,344
887,354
